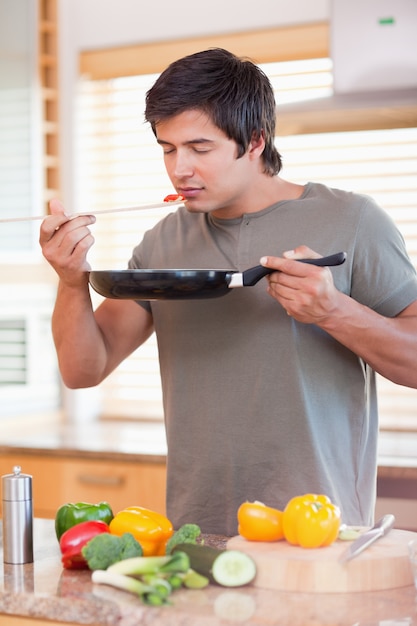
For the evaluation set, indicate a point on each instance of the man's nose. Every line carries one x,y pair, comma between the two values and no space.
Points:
183,165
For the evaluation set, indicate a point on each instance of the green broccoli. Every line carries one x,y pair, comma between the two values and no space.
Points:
188,533
105,549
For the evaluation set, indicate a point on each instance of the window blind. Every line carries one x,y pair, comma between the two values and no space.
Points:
120,164
15,174
18,127
29,381
13,366
28,369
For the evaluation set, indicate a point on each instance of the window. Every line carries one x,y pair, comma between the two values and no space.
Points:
28,372
29,380
19,125
120,164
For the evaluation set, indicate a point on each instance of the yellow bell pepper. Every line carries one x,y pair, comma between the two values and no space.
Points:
152,530
258,522
311,521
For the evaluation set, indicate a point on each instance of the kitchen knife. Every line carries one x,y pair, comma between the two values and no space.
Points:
381,528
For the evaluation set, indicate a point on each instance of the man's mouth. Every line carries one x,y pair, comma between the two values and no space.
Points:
189,192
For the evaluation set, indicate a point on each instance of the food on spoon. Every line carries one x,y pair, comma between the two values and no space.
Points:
173,197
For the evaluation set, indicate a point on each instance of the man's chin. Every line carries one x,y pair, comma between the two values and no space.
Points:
193,206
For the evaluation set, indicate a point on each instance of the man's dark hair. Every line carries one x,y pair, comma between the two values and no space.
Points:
235,93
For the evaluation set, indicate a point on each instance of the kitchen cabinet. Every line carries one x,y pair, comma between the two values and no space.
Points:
59,479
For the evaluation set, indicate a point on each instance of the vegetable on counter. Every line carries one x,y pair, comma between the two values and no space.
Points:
73,513
258,522
152,578
152,530
146,593
138,566
75,538
348,533
187,533
105,549
229,568
311,521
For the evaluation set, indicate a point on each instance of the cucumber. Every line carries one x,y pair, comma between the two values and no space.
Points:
233,568
348,534
229,568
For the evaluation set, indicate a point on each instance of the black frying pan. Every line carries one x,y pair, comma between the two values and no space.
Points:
175,284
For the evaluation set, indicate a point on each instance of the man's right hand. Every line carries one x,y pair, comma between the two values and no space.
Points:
65,242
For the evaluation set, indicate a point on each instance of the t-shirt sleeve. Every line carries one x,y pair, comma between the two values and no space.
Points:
383,276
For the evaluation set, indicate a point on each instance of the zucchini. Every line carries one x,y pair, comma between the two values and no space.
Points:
229,568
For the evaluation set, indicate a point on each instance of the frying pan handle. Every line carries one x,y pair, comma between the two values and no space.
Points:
254,274
327,261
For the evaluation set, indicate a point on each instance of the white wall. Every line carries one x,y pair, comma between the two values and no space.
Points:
119,22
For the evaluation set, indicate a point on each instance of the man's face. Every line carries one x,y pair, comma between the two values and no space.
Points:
202,163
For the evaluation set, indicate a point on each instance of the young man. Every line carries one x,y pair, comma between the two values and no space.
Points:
268,392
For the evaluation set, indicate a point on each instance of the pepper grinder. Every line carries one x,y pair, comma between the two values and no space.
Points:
17,517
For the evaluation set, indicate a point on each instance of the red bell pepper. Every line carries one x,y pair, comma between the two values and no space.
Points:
73,540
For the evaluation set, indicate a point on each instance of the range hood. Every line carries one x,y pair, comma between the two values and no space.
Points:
374,55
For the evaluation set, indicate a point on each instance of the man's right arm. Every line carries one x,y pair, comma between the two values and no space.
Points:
89,344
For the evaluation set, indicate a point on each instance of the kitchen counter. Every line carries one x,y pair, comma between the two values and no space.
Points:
44,591
138,441
52,435
124,462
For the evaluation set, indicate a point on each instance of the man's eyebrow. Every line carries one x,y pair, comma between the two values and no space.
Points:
200,140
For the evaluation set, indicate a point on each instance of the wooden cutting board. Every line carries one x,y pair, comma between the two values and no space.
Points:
283,567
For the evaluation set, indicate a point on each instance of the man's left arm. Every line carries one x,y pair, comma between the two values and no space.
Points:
388,344
308,294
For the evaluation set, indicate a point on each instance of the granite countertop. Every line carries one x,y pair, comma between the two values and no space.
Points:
43,590
133,440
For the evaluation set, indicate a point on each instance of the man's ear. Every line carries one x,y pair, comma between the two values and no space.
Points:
257,144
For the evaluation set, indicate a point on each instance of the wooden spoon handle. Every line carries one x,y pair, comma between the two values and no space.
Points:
158,205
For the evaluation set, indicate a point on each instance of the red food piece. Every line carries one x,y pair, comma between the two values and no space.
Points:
173,197
73,540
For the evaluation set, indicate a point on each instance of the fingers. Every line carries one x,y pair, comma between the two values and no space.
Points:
280,263
56,207
65,242
54,221
301,252
300,288
57,219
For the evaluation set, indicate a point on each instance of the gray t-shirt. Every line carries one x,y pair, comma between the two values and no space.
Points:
257,405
